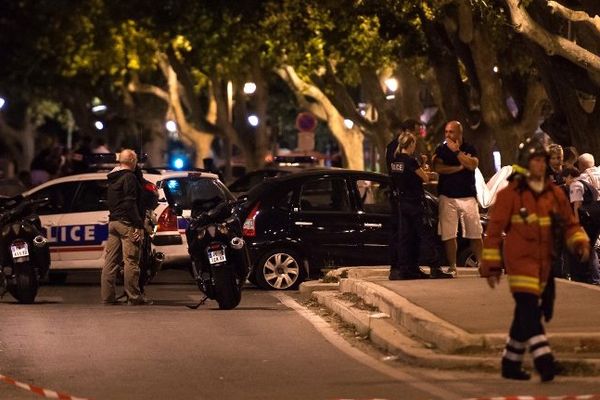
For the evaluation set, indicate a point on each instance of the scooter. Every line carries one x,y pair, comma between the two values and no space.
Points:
24,250
220,261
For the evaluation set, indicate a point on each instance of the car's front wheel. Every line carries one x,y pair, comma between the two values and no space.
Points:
279,270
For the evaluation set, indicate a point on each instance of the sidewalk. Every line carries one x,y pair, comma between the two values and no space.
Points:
457,323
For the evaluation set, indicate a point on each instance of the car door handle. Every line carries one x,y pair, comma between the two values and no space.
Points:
370,225
303,223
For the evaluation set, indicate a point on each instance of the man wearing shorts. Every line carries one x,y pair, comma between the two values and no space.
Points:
455,161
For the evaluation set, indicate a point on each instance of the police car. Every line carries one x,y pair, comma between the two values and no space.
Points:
76,217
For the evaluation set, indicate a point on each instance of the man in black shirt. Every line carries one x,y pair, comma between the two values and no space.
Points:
125,230
455,161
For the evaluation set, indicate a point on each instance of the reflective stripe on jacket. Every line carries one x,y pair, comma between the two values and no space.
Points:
526,250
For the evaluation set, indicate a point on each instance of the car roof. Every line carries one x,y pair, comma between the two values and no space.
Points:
152,177
281,182
324,171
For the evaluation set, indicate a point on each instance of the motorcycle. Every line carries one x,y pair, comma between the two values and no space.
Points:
220,261
24,250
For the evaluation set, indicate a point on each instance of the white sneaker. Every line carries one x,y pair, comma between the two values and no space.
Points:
452,270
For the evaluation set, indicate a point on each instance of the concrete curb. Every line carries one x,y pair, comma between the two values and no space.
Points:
306,288
381,331
418,321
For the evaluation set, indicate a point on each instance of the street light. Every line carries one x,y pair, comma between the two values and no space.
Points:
2,102
348,123
392,86
171,126
99,109
249,87
253,120
99,125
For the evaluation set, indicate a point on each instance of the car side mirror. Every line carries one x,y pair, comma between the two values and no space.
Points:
178,210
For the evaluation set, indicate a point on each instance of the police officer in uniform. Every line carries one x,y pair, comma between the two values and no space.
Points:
413,234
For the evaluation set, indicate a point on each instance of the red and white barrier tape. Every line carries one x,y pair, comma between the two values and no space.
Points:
47,393
567,397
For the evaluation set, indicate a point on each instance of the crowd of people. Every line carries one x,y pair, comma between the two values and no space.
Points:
544,223
454,161
56,160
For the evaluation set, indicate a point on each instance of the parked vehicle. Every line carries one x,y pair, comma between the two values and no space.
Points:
75,219
218,252
24,253
244,183
294,225
281,165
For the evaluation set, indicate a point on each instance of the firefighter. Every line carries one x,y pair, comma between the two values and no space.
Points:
535,216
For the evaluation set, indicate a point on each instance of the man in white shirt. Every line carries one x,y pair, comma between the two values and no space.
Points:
590,176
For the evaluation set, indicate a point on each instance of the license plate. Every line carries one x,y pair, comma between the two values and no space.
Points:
216,256
19,251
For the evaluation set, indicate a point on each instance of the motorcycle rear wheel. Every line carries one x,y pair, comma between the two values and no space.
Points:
227,292
26,287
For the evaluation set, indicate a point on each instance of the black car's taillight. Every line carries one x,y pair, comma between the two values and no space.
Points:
249,228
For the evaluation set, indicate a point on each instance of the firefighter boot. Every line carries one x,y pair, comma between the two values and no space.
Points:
514,370
544,365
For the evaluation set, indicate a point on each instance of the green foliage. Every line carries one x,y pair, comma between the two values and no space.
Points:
41,110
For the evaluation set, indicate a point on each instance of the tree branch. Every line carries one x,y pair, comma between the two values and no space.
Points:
553,44
8,130
136,86
575,16
303,90
184,77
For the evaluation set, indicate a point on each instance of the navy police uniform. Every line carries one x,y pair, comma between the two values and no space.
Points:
412,232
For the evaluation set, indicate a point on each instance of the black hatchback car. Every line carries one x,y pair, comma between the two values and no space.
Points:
296,224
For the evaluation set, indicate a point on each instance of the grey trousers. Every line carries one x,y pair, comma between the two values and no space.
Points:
120,247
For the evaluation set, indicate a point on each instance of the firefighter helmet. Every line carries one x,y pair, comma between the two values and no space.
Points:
530,148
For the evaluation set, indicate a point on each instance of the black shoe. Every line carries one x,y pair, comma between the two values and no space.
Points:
437,273
545,367
514,370
407,276
418,274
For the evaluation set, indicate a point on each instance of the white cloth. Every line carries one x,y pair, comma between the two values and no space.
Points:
486,192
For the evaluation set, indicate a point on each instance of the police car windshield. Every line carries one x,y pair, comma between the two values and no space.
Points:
184,191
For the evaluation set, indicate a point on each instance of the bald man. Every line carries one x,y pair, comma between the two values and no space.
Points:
125,230
455,161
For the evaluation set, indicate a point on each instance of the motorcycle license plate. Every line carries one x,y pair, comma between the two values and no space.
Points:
19,251
216,256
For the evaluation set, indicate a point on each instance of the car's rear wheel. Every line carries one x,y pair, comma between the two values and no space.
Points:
279,270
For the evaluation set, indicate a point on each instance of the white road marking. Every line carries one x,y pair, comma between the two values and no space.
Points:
341,344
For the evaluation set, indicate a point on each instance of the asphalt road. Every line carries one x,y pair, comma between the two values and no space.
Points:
270,347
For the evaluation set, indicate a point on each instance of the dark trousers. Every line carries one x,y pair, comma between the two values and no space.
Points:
527,331
409,239
589,271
